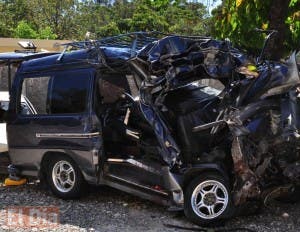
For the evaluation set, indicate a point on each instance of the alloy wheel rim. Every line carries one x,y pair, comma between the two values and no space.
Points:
63,176
209,199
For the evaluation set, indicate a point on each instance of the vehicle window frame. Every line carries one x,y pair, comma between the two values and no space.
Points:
50,74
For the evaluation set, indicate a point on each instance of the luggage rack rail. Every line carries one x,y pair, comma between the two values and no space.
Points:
133,40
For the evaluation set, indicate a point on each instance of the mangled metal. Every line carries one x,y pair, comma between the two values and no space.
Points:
179,61
246,184
253,93
158,132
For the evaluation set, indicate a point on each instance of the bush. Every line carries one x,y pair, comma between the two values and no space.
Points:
24,30
47,33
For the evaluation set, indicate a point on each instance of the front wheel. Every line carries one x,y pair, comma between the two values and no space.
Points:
65,178
207,199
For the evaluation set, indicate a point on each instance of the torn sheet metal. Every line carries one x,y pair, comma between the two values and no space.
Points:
172,62
246,184
170,151
181,60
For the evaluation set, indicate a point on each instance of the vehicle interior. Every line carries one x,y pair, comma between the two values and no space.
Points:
186,107
121,125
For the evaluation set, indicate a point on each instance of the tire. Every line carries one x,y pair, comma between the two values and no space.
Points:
205,190
65,178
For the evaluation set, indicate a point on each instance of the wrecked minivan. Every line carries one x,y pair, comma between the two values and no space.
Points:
9,63
130,112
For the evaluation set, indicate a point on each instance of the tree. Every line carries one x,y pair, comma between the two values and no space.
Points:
46,33
59,15
187,18
181,17
12,12
108,30
24,30
71,19
293,22
237,19
145,18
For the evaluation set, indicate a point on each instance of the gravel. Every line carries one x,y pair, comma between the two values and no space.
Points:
106,209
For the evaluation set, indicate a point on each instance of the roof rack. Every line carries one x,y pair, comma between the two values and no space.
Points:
133,41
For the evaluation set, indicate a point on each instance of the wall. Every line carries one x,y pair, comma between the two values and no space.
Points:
11,44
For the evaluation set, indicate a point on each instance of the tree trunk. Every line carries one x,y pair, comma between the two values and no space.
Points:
277,15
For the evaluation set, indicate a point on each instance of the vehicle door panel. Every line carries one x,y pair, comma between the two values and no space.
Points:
31,136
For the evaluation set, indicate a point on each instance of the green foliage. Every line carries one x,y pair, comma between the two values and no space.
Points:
59,15
24,30
12,12
187,18
237,19
293,22
71,19
46,33
145,18
109,29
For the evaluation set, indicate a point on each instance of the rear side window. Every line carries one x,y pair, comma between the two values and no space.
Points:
35,91
68,94
61,93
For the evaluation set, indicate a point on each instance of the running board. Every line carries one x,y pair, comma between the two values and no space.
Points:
129,182
134,190
143,175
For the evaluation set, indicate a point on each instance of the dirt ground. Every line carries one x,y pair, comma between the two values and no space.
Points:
106,209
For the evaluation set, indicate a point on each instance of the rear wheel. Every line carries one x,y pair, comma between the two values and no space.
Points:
208,199
65,178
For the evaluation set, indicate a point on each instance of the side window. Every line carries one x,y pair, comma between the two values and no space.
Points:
60,93
68,93
34,92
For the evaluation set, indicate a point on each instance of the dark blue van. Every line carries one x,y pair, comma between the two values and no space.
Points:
102,119
63,140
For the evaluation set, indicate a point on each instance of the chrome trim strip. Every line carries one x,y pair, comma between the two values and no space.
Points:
68,135
135,163
137,185
116,160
